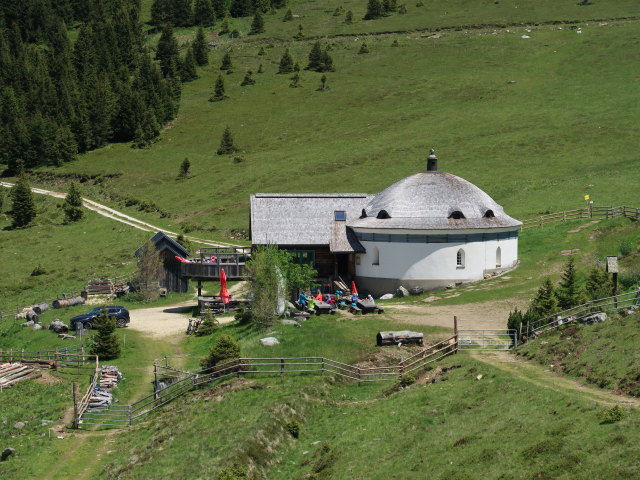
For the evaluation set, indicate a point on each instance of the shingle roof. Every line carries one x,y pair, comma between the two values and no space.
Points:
426,200
305,219
162,241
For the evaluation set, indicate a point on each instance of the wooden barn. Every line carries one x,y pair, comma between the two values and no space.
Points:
313,227
172,278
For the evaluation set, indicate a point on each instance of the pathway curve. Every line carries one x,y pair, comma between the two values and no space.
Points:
118,216
544,378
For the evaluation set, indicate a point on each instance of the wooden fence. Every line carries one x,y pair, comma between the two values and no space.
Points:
581,213
69,357
80,407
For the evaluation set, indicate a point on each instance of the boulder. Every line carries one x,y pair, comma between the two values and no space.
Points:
37,326
450,286
386,296
299,318
595,318
269,341
417,291
19,425
6,453
30,323
289,322
402,292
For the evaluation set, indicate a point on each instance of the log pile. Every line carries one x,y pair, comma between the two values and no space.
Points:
110,376
103,286
101,397
100,400
12,373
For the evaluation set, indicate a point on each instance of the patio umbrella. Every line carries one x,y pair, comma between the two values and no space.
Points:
354,290
224,293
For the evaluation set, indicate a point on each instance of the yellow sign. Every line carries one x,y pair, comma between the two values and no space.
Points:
586,197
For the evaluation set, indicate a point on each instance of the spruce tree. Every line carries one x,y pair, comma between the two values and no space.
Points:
374,10
295,80
395,43
315,57
262,52
200,49
363,49
224,349
327,62
23,208
348,18
220,7
260,69
167,51
105,343
248,79
389,6
188,67
599,285
300,34
286,63
218,92
181,13
570,294
185,167
226,143
224,26
323,83
545,302
241,8
226,62
257,25
288,16
72,204
203,13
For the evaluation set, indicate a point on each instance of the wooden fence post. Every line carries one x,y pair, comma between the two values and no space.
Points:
455,332
76,420
281,366
359,376
55,358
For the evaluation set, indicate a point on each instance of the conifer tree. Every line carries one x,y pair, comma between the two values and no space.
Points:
23,208
181,13
599,285
167,51
545,302
262,52
288,16
402,9
260,69
241,8
257,25
295,80
185,167
203,13
248,79
188,67
286,63
263,6
570,294
72,204
363,49
395,43
160,12
224,27
226,62
66,146
327,62
200,49
224,349
389,6
315,57
374,10
226,143
219,91
323,83
105,343
348,18
147,131
300,34
220,7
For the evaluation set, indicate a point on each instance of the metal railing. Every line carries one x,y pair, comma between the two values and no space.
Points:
504,339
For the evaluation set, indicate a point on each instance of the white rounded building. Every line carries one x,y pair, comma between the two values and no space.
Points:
431,230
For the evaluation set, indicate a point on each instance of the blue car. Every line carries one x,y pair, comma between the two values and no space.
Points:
120,314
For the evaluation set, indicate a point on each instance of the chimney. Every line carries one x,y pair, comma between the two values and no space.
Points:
432,161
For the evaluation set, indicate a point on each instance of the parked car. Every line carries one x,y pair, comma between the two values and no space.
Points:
120,314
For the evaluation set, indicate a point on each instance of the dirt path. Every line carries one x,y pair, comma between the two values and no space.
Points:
541,377
121,217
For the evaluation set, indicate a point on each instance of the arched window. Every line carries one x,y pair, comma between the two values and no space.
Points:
498,257
460,259
376,256
383,214
489,214
457,215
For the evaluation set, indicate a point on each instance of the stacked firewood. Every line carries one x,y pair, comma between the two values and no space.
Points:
101,398
110,376
12,373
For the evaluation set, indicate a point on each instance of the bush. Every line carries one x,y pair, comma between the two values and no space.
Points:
630,278
225,348
626,247
293,427
611,415
39,270
243,316
407,380
234,472
208,326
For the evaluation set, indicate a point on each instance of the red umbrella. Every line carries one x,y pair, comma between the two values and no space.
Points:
354,290
224,293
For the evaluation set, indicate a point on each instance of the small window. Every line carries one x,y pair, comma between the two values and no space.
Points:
460,259
498,257
383,214
489,214
376,256
457,215
340,215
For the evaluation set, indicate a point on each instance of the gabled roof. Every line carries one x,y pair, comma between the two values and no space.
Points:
162,241
305,219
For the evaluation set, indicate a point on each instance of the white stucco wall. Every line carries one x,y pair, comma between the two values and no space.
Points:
425,261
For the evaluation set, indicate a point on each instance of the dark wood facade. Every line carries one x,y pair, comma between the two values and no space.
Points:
172,278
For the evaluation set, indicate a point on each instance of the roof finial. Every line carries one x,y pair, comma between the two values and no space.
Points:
432,161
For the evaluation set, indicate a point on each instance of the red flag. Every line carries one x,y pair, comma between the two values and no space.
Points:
224,293
354,290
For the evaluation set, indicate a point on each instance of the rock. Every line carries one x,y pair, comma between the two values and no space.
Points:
595,318
19,425
134,459
431,299
479,377
6,453
46,422
386,296
316,442
290,322
299,318
487,276
402,292
37,326
291,306
450,286
417,291
269,341
30,323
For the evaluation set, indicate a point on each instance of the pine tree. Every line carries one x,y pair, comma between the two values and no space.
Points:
241,8
203,13
257,25
200,49
288,16
219,92
262,52
185,167
105,343
295,81
248,79
300,34
224,349
220,7
260,69
262,6
569,293
224,27
315,57
545,302
599,285
286,63
402,9
226,143
326,62
374,10
348,18
167,51
395,43
226,63
323,83
363,49
181,13
72,204
147,131
23,208
160,12
65,145
389,6
188,67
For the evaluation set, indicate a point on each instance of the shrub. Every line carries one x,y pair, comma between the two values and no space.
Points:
234,472
208,325
626,247
243,316
39,270
630,278
611,415
293,427
407,380
225,348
